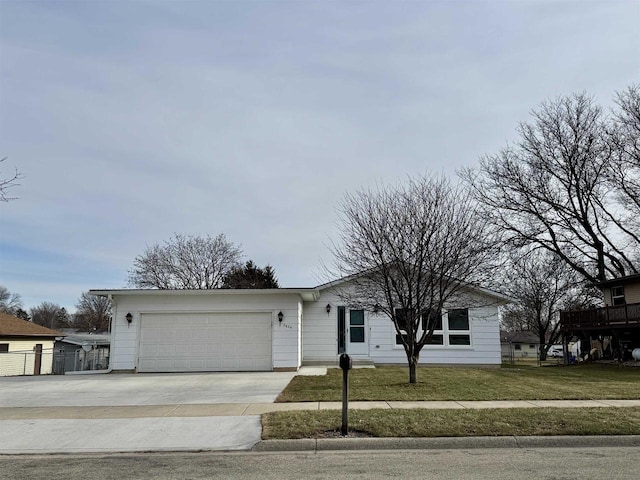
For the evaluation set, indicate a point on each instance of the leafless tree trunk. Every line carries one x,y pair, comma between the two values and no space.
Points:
185,263
551,190
411,250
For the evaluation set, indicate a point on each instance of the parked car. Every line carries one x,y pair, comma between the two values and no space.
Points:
555,351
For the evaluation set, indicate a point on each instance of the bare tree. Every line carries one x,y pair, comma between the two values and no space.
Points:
625,166
93,313
50,315
411,250
9,302
7,183
185,263
543,284
551,190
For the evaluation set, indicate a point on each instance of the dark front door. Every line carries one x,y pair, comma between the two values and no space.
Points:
342,328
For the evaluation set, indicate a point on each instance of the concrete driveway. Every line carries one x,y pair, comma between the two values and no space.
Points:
142,389
150,423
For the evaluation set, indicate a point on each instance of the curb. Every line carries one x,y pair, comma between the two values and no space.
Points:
444,443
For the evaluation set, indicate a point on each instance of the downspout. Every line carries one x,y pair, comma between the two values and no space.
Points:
113,319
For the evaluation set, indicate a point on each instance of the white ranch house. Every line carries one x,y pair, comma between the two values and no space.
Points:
282,329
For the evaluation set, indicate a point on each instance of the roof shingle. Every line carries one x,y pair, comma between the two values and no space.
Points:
11,326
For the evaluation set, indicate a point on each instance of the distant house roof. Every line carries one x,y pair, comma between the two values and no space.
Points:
11,326
87,339
518,337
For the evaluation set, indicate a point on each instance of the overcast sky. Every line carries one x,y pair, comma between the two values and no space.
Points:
132,120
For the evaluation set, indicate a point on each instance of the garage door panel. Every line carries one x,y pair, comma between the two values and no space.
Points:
258,349
205,342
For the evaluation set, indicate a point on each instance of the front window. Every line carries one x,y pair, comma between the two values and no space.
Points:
617,295
458,321
454,331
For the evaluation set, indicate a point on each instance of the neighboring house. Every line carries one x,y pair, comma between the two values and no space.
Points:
282,329
82,351
610,331
25,347
522,344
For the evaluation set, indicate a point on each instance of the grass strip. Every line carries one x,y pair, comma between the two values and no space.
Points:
456,423
579,382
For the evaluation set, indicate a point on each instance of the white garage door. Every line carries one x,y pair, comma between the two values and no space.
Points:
205,342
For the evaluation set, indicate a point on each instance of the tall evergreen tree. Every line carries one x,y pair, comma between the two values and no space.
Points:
251,276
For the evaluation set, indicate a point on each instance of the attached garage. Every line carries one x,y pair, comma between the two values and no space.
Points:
222,330
205,342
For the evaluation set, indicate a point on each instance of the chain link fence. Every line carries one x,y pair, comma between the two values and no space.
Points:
79,360
26,362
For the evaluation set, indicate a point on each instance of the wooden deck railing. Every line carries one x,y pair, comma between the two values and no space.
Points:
601,318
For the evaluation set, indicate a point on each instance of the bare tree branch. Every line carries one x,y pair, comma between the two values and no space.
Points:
93,313
7,183
542,284
553,190
412,250
185,263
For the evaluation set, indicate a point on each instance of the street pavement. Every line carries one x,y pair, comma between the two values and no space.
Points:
619,463
193,412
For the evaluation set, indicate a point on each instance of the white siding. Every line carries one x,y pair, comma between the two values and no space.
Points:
320,336
320,332
484,348
20,359
125,338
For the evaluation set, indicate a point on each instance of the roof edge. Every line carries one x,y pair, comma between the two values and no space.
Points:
305,293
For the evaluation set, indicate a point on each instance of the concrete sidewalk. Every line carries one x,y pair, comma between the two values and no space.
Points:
222,427
253,409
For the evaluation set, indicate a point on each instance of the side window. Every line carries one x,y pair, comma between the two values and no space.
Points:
458,323
517,346
4,347
459,319
617,295
432,317
401,318
356,326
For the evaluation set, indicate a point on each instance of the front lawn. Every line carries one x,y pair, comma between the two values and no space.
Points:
579,382
456,423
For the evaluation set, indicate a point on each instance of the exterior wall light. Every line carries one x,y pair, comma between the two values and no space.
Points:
129,318
280,317
328,308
